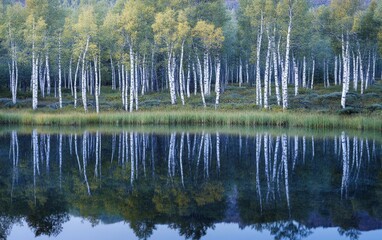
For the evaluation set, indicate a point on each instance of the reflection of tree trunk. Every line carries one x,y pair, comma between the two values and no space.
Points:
345,165
144,140
258,150
367,150
312,147
76,151
266,156
218,151
136,150
113,144
171,156
181,158
84,159
200,149
122,148
206,154
60,157
14,150
97,155
295,151
303,149
274,174
35,160
132,158
285,164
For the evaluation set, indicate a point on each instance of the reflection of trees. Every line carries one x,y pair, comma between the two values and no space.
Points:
47,215
288,230
352,234
6,223
186,181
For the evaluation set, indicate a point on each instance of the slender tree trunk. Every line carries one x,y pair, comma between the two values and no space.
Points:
295,69
96,92
34,73
345,81
276,70
113,81
136,82
286,68
59,72
201,81
75,81
217,82
304,73
374,64
206,73
240,73
258,48
195,78
132,78
367,73
361,73
181,74
83,76
188,78
171,80
266,75
313,68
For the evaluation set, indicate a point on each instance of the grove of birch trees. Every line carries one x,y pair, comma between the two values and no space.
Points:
69,51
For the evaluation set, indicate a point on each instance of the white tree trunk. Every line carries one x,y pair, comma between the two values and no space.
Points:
361,73
34,73
335,70
217,82
312,80
295,69
195,78
266,75
345,81
188,79
181,74
136,82
240,73
96,92
276,70
258,48
286,68
374,63
171,79
201,81
75,81
123,88
354,71
48,87
206,73
59,73
83,76
367,73
113,81
132,78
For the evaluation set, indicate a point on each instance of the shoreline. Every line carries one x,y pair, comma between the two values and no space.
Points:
289,118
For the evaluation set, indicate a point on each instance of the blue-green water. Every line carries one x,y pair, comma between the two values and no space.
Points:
195,185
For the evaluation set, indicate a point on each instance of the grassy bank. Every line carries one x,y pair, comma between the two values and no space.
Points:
195,117
317,109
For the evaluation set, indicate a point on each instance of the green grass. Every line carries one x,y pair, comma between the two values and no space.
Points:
317,109
195,117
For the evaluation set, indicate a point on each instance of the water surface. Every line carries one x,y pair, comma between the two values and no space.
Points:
200,184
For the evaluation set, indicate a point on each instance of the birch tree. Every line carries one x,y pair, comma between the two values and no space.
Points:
165,30
12,29
86,29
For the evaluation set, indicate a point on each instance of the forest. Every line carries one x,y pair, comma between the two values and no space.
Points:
73,53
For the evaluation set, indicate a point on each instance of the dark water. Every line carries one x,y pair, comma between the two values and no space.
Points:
199,185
